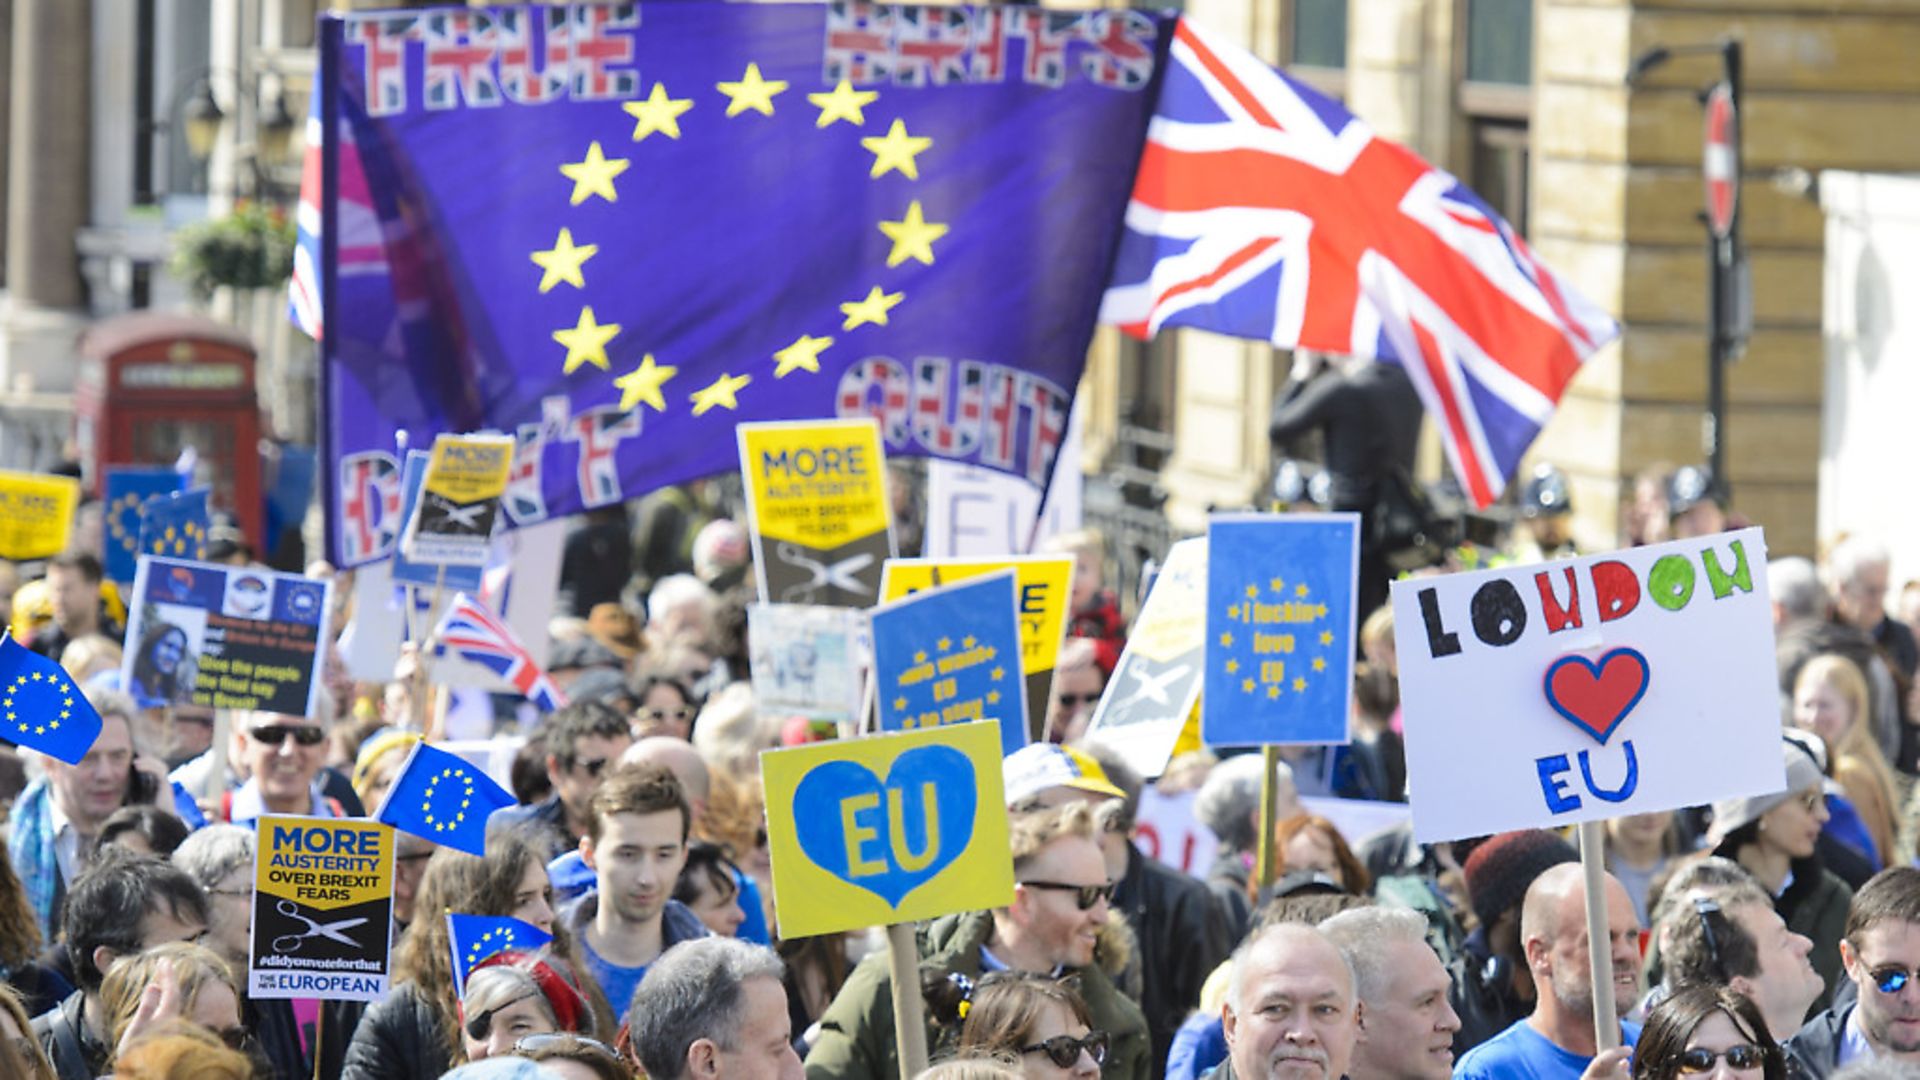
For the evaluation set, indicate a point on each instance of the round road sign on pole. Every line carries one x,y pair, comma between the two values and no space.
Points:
1721,163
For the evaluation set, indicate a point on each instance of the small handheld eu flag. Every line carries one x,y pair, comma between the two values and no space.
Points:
174,526
40,708
440,797
474,938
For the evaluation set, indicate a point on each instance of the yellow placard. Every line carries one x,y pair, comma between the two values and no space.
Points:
887,829
322,909
1043,588
36,512
818,483
469,468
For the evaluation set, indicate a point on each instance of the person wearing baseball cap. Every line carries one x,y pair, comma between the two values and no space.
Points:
1775,837
1042,774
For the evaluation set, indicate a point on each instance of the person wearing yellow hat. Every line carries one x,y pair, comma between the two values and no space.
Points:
379,762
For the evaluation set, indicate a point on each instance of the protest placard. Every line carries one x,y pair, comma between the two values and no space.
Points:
126,491
1280,624
1043,586
1165,829
225,637
406,571
176,525
1157,681
36,510
817,505
1589,688
977,512
887,829
452,523
951,655
807,660
322,909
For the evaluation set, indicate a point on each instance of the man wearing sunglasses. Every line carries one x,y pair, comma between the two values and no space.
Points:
584,741
282,757
1881,955
1557,1039
1054,927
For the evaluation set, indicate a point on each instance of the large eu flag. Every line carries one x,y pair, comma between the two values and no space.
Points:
617,230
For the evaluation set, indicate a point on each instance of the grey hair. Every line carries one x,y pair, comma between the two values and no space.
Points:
693,992
1230,795
1259,937
210,853
494,988
1363,935
1796,587
676,589
1850,556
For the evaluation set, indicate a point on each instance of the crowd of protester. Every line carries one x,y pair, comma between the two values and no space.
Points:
1775,936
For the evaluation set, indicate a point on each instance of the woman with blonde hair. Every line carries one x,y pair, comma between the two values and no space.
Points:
208,994
414,1032
1830,700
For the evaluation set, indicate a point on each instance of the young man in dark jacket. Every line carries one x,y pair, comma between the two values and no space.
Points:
1881,954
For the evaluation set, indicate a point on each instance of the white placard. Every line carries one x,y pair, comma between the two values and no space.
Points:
1589,688
976,512
1165,829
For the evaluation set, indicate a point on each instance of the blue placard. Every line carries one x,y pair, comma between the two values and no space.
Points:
176,525
1280,628
412,572
127,492
952,655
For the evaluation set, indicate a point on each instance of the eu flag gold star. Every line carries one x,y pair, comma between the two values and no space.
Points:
968,642
594,176
873,309
719,393
895,150
1319,663
643,384
1326,637
751,92
843,103
657,113
1276,584
1233,666
1299,684
562,262
586,341
912,237
1300,589
899,704
944,644
803,353
993,697
920,657
1253,592
1273,691
1246,686
1226,640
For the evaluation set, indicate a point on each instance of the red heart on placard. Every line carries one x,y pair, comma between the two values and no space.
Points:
1596,697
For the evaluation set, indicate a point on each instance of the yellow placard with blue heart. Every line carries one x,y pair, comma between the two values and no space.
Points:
887,829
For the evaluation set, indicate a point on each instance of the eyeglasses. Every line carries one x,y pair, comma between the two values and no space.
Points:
1064,1050
1704,907
1074,701
535,1043
1699,1059
1084,895
275,734
1891,979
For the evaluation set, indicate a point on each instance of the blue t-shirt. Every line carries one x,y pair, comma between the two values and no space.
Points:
617,982
1521,1053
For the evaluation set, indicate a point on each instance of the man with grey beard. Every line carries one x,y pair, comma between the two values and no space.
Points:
1291,1009
1557,1040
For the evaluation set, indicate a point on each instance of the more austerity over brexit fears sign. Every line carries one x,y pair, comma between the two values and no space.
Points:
888,829
817,500
1589,688
322,909
224,637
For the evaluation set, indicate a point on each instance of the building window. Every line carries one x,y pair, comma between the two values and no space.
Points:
1499,167
1319,34
1500,42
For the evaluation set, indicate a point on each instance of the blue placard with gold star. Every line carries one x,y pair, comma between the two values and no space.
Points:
475,939
699,213
951,655
441,797
175,526
40,707
128,488
1280,628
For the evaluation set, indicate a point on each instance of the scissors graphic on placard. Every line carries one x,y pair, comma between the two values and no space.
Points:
333,931
839,575
1158,689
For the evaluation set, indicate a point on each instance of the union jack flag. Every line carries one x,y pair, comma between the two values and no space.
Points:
477,635
1264,210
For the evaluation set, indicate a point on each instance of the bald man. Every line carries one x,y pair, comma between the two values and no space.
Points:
1291,1009
1557,1040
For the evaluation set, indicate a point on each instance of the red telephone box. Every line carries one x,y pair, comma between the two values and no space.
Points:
151,384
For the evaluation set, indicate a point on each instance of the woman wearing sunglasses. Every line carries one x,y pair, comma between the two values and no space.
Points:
1037,1019
1707,1031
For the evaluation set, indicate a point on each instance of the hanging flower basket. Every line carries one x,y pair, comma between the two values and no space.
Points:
251,248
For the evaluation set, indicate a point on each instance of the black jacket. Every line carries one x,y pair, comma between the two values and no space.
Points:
398,1039
75,1053
1814,1051
1182,936
1371,420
